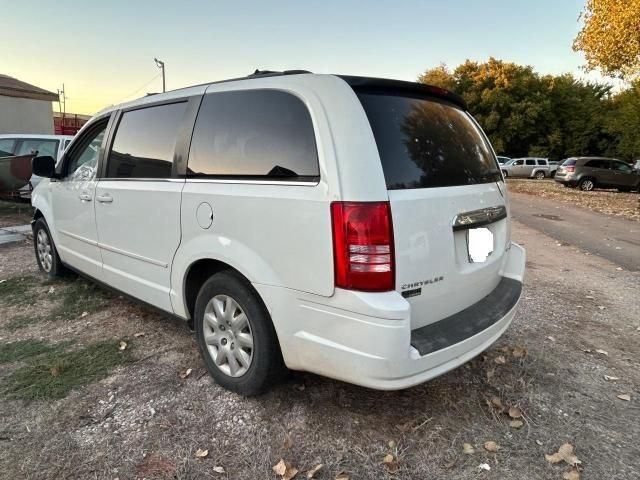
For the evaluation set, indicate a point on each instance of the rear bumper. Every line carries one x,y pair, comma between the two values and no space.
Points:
366,338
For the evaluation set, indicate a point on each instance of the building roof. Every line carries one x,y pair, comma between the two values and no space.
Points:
12,87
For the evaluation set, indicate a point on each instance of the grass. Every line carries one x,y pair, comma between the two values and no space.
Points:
70,296
15,290
54,374
79,296
25,349
15,213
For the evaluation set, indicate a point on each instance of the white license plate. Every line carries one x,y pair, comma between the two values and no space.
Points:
479,244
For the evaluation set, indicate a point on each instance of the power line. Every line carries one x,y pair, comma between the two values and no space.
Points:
141,88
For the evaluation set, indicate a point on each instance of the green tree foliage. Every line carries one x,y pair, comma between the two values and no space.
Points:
525,113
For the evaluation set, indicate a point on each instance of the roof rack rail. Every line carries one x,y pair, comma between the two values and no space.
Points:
273,73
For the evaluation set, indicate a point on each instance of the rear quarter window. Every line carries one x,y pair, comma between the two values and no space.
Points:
254,134
427,142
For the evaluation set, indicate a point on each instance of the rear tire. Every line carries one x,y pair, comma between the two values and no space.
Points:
235,335
540,175
46,253
586,184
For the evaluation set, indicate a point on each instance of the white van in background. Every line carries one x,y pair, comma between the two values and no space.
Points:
353,227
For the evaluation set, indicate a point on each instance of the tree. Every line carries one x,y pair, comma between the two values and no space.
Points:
610,37
524,113
623,124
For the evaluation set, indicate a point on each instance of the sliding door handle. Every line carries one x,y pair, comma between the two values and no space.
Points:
104,198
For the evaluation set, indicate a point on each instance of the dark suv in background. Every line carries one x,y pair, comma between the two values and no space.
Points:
588,173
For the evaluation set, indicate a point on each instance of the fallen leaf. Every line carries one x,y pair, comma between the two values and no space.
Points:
519,352
500,360
515,412
390,462
625,396
602,352
551,338
288,443
51,290
139,334
342,476
565,452
491,446
201,453
84,314
2,281
590,297
314,470
516,424
468,449
392,444
285,470
186,373
484,466
55,372
490,373
123,345
219,469
539,442
497,403
611,378
619,269
601,307
572,474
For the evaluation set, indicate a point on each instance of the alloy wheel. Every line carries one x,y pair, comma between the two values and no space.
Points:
228,335
587,185
43,245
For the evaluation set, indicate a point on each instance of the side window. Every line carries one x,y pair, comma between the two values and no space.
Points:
621,167
7,146
542,162
594,164
519,162
531,162
254,133
38,146
145,142
83,161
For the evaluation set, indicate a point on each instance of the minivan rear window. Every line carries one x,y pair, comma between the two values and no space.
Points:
427,142
568,162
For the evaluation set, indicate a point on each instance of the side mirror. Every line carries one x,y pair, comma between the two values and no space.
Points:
44,166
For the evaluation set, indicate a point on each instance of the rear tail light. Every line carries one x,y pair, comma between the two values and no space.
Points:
570,168
363,251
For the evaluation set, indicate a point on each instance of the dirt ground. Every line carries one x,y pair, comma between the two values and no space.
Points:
611,202
579,320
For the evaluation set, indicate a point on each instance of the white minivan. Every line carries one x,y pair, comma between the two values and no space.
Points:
353,227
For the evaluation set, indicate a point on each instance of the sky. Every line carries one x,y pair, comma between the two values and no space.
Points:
103,51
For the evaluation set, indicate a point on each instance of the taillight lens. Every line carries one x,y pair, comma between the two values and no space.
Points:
570,168
363,246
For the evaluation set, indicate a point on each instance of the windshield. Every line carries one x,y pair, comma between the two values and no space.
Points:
428,142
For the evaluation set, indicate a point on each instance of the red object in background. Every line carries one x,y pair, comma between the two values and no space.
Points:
69,124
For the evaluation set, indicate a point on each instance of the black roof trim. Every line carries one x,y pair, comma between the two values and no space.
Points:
373,84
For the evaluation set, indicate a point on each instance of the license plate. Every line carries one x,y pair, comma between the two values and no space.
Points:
479,244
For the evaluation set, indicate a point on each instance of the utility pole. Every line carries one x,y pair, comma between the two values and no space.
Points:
160,64
62,108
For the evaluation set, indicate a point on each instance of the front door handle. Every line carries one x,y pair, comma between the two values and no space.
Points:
104,198
85,197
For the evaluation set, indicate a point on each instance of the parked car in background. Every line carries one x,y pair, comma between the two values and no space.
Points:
636,166
502,160
21,145
588,173
295,219
529,167
553,167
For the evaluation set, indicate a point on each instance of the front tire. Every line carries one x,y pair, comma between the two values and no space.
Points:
235,335
46,253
